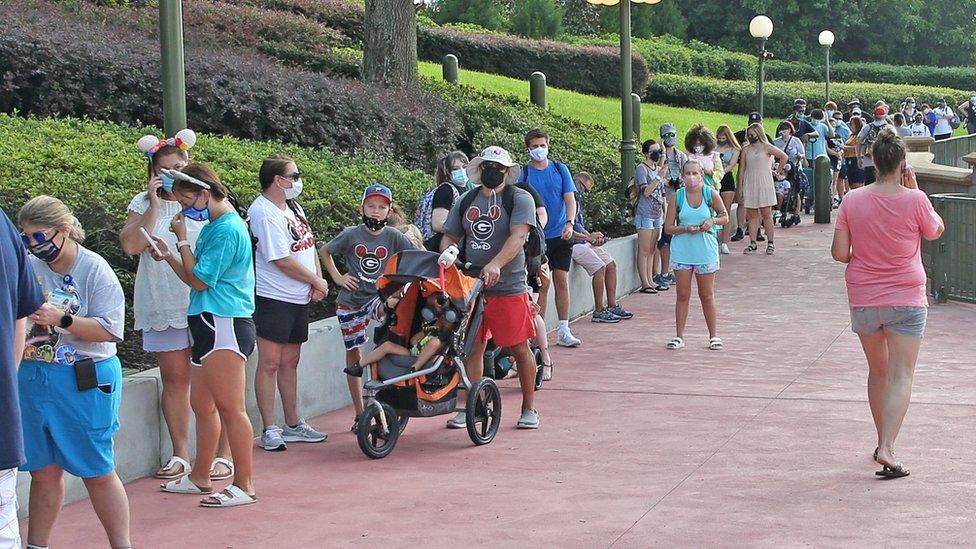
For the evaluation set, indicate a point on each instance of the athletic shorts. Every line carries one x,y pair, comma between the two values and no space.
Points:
843,168
507,320
170,339
855,174
219,333
560,253
645,223
67,427
707,269
664,241
353,322
909,321
280,321
591,258
728,183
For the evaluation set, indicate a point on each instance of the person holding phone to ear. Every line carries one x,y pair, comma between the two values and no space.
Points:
70,379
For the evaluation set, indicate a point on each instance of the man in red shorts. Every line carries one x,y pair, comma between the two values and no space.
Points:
492,222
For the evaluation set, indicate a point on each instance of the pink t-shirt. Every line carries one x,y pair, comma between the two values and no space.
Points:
886,234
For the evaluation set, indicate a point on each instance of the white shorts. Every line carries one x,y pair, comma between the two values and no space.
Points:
9,528
170,339
591,258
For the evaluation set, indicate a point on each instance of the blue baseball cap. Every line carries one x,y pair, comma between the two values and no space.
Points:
378,189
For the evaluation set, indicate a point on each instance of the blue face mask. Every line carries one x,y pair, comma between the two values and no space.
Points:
196,214
167,182
459,176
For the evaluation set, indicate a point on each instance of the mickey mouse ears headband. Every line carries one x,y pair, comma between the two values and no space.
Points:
184,140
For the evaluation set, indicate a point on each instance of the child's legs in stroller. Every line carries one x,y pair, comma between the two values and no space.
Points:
385,349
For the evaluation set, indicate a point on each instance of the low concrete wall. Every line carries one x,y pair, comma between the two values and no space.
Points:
143,439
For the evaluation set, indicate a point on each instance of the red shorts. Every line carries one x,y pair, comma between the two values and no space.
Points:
507,320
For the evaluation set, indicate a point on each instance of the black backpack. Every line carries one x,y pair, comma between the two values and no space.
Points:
535,245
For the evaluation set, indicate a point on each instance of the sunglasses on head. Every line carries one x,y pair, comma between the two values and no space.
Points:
39,237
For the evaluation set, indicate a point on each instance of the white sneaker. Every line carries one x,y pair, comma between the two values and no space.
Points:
724,249
566,339
303,432
271,439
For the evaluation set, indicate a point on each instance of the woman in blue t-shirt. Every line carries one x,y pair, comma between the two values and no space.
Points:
694,248
220,273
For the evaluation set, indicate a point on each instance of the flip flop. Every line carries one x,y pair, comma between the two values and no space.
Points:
232,496
889,472
648,290
184,485
226,463
173,462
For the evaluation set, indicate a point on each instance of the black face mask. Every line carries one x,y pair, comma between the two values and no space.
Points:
655,156
491,179
47,252
373,224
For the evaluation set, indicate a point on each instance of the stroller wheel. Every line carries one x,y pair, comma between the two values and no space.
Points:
402,422
374,440
483,411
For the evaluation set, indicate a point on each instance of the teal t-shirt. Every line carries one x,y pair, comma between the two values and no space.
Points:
225,264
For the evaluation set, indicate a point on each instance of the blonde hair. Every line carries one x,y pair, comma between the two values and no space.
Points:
413,233
730,135
758,128
49,212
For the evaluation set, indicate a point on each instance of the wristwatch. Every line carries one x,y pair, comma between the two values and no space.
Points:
66,322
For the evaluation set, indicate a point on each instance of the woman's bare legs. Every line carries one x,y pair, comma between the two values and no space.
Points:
767,221
683,278
727,198
706,294
174,370
876,351
902,356
646,240
224,375
753,215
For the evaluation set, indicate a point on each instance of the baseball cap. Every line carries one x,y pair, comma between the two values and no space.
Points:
378,189
755,117
881,110
496,154
856,111
667,128
799,101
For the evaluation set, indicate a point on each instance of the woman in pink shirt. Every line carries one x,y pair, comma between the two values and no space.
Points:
878,234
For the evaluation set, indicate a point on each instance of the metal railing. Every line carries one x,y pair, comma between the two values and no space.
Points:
949,152
950,261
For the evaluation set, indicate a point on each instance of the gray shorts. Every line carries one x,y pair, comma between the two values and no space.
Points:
909,321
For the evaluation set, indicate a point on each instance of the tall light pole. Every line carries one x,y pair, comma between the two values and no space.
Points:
761,27
826,40
171,52
628,146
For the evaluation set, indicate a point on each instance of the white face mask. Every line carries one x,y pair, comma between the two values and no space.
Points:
539,153
699,149
292,192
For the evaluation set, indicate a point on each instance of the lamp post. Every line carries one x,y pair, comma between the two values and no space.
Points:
826,40
628,146
171,52
761,27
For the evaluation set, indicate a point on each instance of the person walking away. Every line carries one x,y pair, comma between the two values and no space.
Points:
450,180
70,377
588,253
758,192
695,249
288,277
899,123
554,183
366,248
494,239
220,274
674,159
865,142
728,148
21,295
649,180
878,235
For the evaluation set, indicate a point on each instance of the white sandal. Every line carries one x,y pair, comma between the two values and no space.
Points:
171,464
225,462
232,496
676,343
715,344
184,485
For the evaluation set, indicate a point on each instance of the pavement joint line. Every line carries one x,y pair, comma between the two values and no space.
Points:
732,436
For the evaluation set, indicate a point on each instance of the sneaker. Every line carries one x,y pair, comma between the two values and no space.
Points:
603,316
724,249
835,203
620,312
739,235
303,432
567,340
668,279
459,421
528,420
271,439
661,283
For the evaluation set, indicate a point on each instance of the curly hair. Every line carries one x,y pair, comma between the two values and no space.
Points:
702,135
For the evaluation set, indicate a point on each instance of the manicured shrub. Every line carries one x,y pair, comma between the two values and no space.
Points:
587,69
344,16
60,65
740,96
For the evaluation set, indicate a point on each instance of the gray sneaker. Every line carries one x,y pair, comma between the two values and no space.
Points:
303,432
606,317
619,312
271,439
528,420
460,421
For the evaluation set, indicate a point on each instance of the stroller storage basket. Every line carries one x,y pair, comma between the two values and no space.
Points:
405,401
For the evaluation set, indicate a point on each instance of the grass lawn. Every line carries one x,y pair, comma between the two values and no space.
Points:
593,109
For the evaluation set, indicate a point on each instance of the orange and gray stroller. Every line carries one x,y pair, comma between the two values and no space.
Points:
394,391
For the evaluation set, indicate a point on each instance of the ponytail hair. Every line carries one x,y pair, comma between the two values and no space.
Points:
218,190
52,213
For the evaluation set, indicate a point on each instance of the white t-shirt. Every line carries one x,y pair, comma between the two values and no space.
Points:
942,126
160,298
280,234
919,129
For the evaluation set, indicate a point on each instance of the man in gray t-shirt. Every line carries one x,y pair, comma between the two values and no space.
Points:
491,223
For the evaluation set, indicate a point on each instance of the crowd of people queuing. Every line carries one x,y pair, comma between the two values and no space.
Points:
216,280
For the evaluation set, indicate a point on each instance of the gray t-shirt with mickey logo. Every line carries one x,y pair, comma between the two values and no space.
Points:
366,255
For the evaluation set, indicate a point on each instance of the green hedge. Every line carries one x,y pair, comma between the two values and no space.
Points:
344,16
587,69
740,96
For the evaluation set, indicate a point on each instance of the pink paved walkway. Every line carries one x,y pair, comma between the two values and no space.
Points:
766,444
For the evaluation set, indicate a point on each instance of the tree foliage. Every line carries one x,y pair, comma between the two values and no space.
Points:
537,19
647,20
484,13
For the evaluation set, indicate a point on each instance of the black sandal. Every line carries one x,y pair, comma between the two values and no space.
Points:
751,248
898,471
648,290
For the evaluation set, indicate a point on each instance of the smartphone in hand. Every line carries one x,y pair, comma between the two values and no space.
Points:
149,240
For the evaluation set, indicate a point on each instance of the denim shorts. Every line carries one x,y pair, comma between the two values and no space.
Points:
909,321
706,269
643,222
